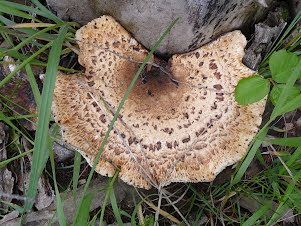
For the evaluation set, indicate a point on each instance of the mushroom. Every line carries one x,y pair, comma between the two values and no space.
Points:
180,122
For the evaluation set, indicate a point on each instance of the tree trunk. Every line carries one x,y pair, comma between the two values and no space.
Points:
200,20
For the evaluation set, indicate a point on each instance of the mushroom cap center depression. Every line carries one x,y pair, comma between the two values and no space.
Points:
154,94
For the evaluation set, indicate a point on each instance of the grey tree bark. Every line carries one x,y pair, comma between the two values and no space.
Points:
200,20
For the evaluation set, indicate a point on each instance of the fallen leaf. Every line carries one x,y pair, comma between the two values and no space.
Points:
253,205
45,195
18,95
6,178
48,214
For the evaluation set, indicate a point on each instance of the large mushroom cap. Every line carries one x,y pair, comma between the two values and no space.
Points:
180,122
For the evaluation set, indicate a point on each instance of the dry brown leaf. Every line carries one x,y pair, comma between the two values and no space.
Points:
70,207
45,194
6,177
19,93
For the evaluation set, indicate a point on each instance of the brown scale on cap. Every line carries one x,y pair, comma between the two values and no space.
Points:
167,131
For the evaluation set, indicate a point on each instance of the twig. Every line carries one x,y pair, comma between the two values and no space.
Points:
132,132
130,59
284,165
158,208
180,198
18,197
140,215
176,209
149,178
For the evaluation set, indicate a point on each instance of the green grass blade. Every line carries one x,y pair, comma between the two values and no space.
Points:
280,211
102,209
47,13
25,62
24,8
291,105
115,207
6,37
34,85
7,161
50,15
8,122
93,220
84,210
199,215
205,202
133,217
42,64
278,110
260,158
259,213
20,56
10,31
28,31
125,214
76,171
281,207
247,161
148,57
29,39
288,142
294,42
296,199
13,11
13,206
276,190
9,104
59,204
33,61
285,34
109,189
295,156
40,148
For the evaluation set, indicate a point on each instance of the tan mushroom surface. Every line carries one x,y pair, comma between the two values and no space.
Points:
180,123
